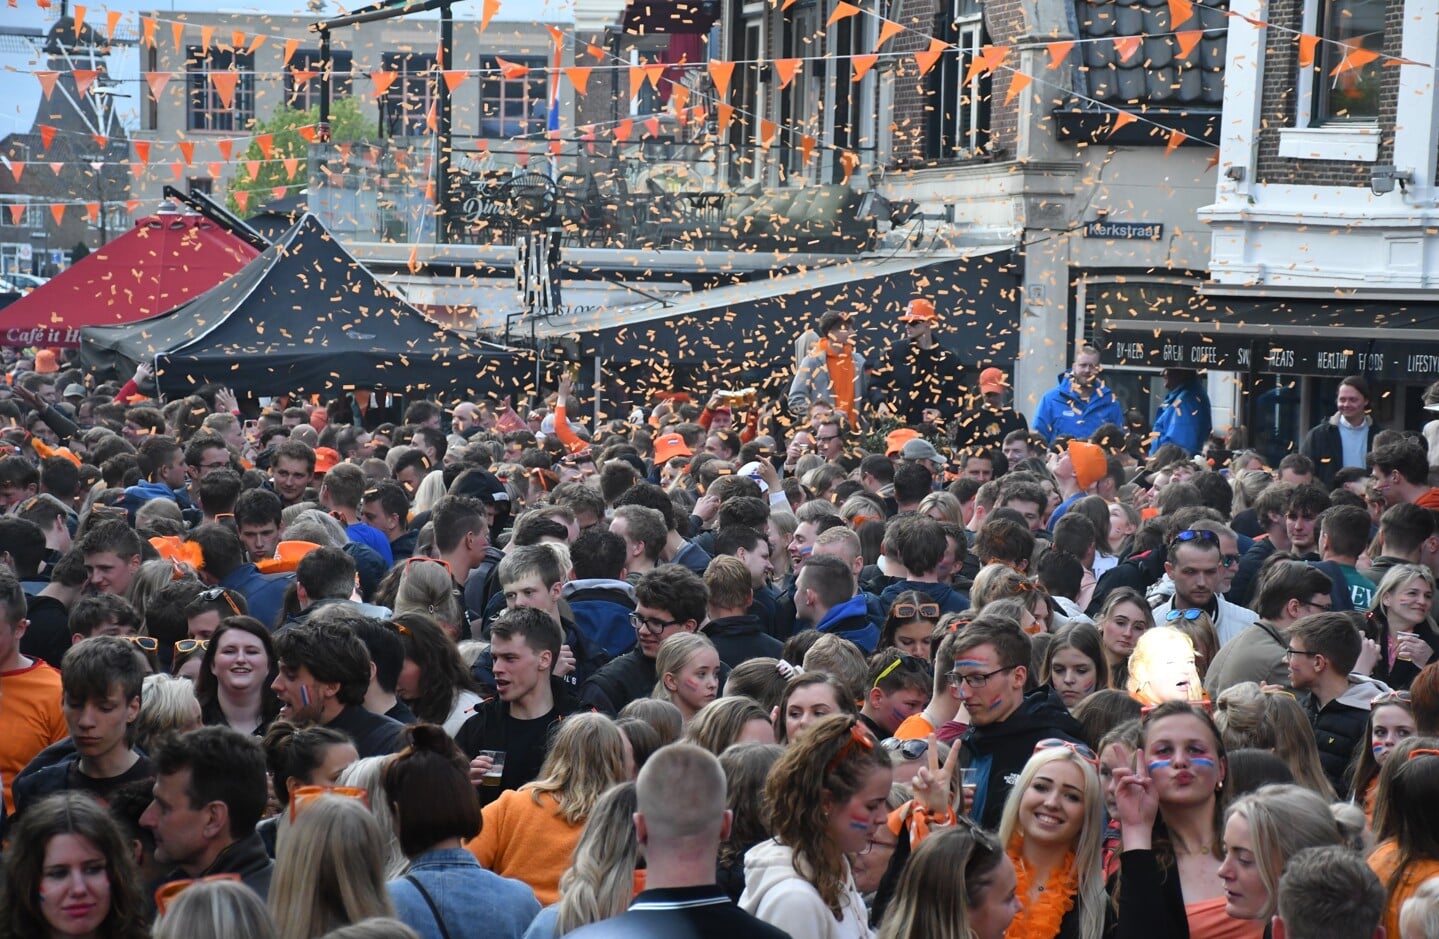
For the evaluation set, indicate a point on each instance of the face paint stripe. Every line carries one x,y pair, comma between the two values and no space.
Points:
1202,761
1159,764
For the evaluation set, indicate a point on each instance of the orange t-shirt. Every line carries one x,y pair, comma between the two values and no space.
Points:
30,718
1207,920
1383,863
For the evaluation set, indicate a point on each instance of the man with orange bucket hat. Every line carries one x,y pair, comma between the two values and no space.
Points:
919,374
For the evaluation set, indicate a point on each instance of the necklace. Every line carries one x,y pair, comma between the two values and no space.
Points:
1040,917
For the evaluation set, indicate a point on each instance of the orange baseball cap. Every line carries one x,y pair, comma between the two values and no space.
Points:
918,310
992,380
45,362
669,446
326,459
896,440
1088,461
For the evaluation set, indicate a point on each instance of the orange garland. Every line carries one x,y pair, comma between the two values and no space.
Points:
1041,917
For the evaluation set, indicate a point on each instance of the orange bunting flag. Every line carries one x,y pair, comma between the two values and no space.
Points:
17,169
256,43
806,147
237,40
47,135
1356,59
242,199
481,146
101,141
1213,161
383,80
1058,52
786,69
1188,39
679,99
861,65
142,150
57,212
888,30
414,262
253,168
454,78
112,19
207,37
1017,84
147,30
131,205
157,82
512,70
1121,118
722,72
224,84
637,80
226,147
177,34
1176,137
84,78
92,212
187,150
57,168
596,52
137,170
17,212
1126,46
215,169
1307,45
291,45
724,113
302,76
487,13
79,20
1179,12
849,162
557,37
767,131
579,76
177,169
926,60
653,126
842,11
309,133
654,73
47,82
266,143
623,130
278,192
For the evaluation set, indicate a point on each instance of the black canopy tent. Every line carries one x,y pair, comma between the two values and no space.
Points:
304,317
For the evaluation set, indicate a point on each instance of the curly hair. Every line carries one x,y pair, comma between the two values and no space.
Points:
825,766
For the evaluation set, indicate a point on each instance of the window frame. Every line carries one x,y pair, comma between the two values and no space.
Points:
406,103
204,111
342,62
964,33
491,81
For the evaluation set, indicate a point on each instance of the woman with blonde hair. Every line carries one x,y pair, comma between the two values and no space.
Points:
728,721
215,908
1161,668
369,774
1053,830
427,587
530,833
431,490
688,672
167,706
1401,621
1197,625
828,794
1262,831
329,869
942,507
1122,620
1250,717
958,884
601,880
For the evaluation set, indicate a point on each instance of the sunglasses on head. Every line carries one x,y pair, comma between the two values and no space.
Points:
305,795
216,594
915,610
858,737
1080,750
1194,534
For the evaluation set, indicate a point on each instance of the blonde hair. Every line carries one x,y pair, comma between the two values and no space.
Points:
674,656
601,877
216,908
167,706
368,774
946,876
328,870
430,490
947,504
995,582
840,659
427,587
1283,820
586,758
1088,863
1250,717
1151,644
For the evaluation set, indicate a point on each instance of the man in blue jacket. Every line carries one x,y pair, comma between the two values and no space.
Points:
1080,404
1184,416
825,596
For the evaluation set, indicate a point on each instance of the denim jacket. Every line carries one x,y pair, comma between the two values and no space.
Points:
474,902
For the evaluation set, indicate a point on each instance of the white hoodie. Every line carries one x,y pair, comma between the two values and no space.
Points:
776,893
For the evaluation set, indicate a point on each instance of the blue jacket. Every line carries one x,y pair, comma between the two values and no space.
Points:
1183,418
949,599
474,902
1062,414
850,620
265,593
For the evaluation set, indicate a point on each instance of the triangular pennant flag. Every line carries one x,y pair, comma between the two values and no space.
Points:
557,37
112,19
215,169
487,13
849,162
579,76
256,43
302,76
17,212
226,147
290,46
47,135
142,150
383,80
623,130
1126,46
842,11
414,262
242,199
47,82
1058,52
1188,39
253,168
888,30
1307,45
79,20
724,113
806,147
131,205
679,98
454,78
17,169
653,73
309,133
1356,59
653,126
177,169
432,121
1176,137
57,212
187,150
147,31
930,56
57,167
512,70
721,72
861,64
785,69
1017,84
224,83
994,56
157,82
481,146
101,141
177,34
1179,12
92,212
207,37
767,131
596,52
1121,118
278,192
137,170
237,40
84,78
266,143
1213,161
637,80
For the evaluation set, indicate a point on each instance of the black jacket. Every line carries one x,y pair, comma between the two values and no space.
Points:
999,751
1242,587
1151,900
246,857
589,659
374,734
1338,728
1325,447
1140,571
739,638
1402,674
910,379
981,425
624,679
486,730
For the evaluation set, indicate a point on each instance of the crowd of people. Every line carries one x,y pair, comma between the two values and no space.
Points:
873,658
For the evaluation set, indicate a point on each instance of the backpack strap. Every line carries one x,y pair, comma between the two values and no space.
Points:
429,901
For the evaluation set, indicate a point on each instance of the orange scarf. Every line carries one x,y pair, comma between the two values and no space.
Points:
840,363
1040,918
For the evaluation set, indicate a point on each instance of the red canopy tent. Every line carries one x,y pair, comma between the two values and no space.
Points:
151,269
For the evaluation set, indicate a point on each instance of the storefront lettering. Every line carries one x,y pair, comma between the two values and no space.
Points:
1424,363
1207,355
1243,357
1280,358
1332,361
1173,353
1128,351
42,335
1371,362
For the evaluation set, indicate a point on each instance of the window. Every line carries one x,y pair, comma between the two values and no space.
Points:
202,185
32,217
302,96
1346,93
959,117
405,107
206,110
513,107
